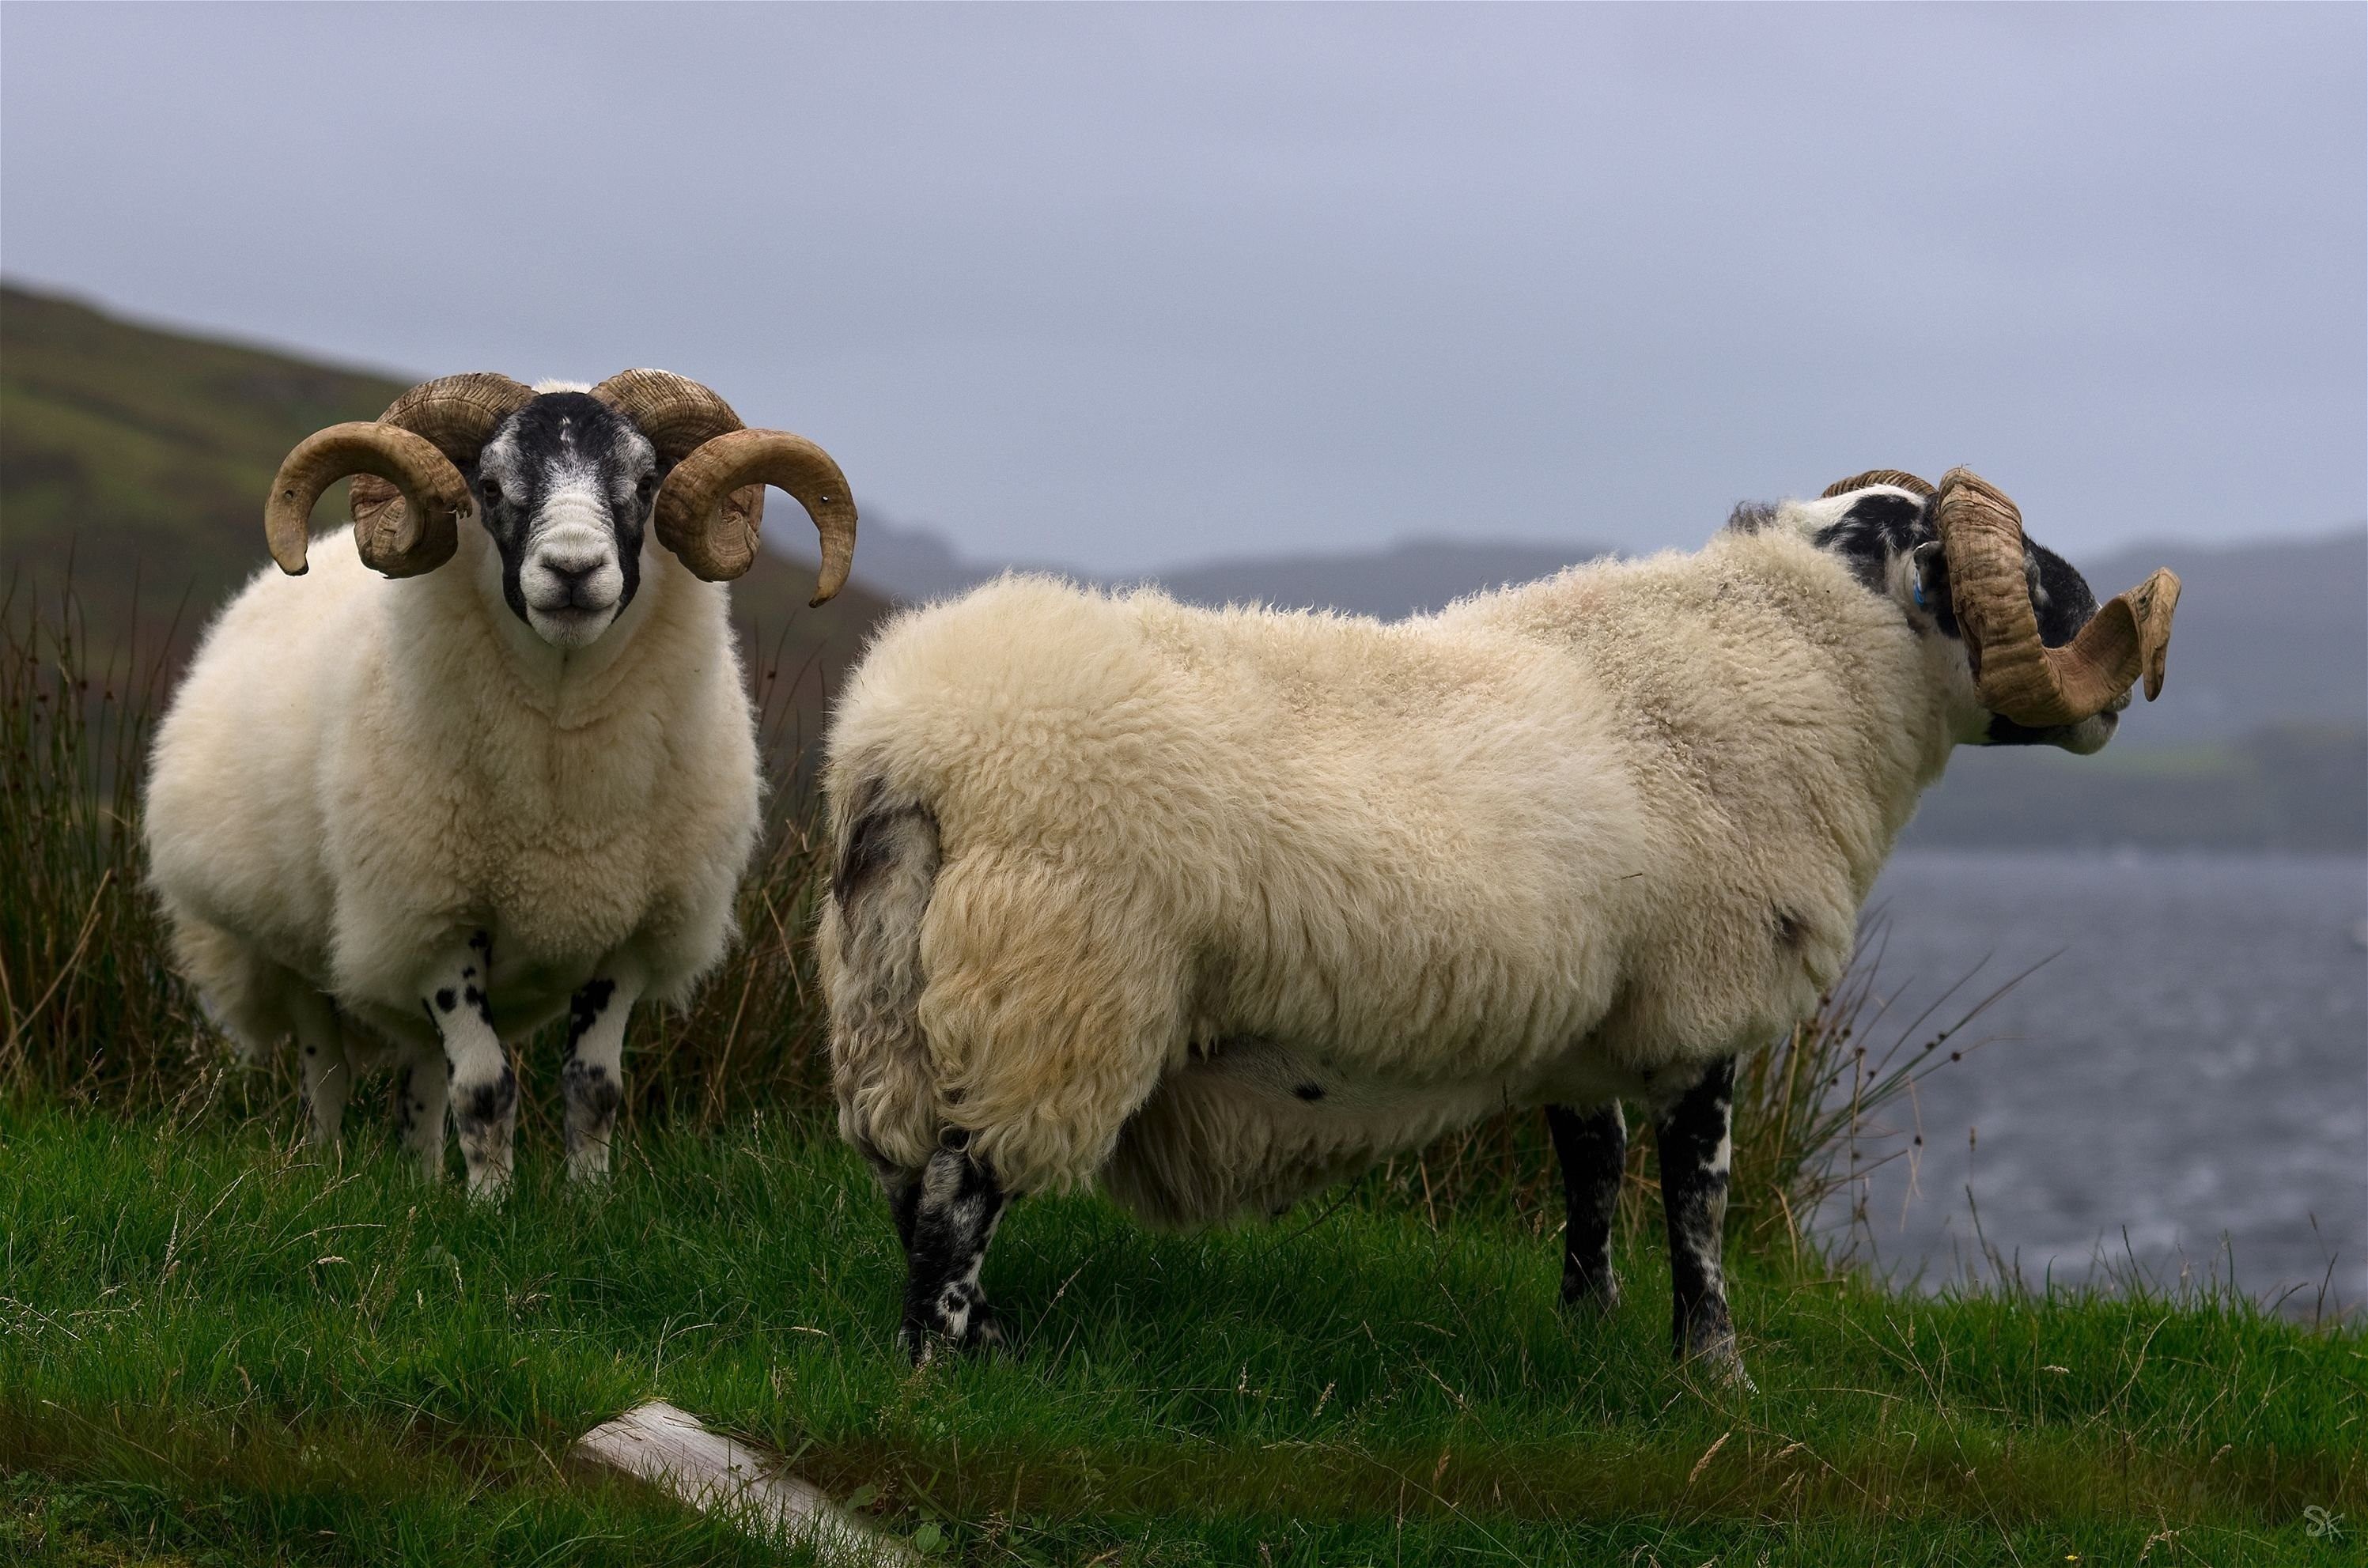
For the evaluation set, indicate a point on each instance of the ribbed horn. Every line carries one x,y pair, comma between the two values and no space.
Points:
1877,476
409,496
2127,639
712,506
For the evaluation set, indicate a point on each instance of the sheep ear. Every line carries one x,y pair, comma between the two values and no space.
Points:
1928,578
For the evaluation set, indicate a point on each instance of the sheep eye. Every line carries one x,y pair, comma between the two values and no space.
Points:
493,491
644,485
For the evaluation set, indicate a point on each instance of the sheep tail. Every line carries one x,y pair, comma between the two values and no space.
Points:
886,868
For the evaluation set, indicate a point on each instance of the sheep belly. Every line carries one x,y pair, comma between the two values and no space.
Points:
1252,1126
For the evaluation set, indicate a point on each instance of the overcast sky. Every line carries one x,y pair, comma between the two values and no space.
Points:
1121,286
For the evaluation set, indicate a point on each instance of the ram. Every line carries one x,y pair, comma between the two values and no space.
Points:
486,756
1215,907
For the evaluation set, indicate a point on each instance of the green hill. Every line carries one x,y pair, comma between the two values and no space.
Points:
138,454
138,458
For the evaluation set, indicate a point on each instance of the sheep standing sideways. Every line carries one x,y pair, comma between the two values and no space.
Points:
1216,907
412,816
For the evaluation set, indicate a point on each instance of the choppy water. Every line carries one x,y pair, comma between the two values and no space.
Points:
2185,1081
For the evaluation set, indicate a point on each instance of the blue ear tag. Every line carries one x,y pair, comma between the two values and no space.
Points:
1919,590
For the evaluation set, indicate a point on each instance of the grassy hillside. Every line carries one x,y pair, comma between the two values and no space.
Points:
141,457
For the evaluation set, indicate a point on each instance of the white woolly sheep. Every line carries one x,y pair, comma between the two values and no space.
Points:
415,816
1216,907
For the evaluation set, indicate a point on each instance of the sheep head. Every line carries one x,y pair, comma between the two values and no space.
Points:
2019,677
410,494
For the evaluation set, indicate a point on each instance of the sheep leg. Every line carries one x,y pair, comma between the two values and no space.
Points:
591,1077
328,1075
419,1107
947,1215
1593,1149
1694,1138
482,1085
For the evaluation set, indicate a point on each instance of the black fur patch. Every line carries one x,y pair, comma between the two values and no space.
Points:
1751,516
588,1087
1693,1202
871,843
1592,1147
1878,527
445,1001
2061,595
584,1008
955,1203
1309,1091
492,1101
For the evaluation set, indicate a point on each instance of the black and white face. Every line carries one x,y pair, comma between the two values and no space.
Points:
565,489
1888,538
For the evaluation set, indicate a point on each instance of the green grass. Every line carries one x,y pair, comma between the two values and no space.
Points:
215,1347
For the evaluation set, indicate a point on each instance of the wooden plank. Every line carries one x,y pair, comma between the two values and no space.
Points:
669,1448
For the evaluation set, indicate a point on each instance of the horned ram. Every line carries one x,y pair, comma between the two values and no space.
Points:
1213,908
493,758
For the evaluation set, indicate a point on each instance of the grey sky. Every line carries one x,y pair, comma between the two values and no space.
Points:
1122,286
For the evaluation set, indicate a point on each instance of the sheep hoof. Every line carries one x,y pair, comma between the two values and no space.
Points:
588,1168
980,1333
1718,1362
1591,1295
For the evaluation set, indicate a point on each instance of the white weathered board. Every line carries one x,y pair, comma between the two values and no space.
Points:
669,1448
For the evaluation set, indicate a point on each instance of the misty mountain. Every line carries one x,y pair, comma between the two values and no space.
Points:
912,565
2270,632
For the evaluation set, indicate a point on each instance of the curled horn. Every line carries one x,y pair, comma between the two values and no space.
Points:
409,496
712,504
2128,639
1907,482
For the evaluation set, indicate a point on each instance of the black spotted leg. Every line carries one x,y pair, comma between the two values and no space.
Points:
591,1077
483,1088
328,1075
1592,1146
1694,1138
419,1085
946,1216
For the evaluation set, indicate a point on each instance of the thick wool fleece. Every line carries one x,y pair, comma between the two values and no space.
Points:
359,772
1227,904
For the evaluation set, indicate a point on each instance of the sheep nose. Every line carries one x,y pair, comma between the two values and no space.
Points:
580,575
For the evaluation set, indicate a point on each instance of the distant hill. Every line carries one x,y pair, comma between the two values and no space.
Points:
1411,577
2260,740
143,456
2272,632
